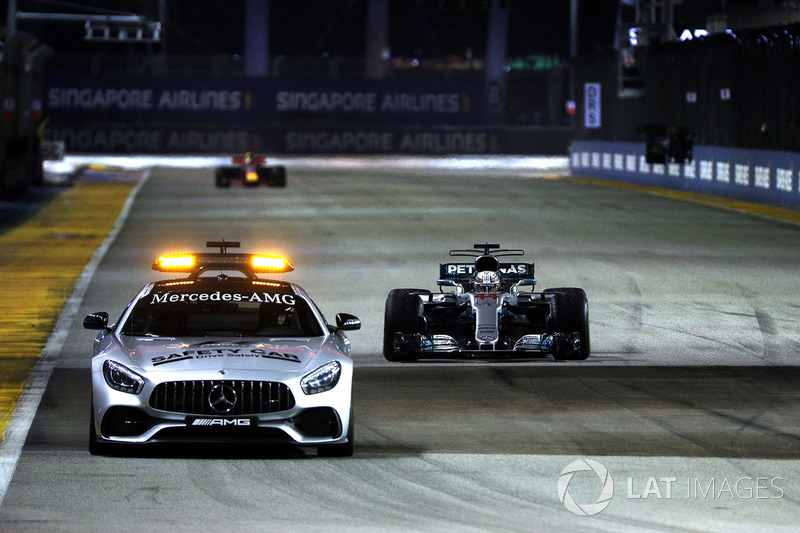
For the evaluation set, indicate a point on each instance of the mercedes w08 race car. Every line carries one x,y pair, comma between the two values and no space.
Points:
222,355
250,171
490,310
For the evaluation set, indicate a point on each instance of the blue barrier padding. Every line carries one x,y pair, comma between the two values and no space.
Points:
762,176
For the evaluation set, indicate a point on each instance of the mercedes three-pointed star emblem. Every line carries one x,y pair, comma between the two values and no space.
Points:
222,399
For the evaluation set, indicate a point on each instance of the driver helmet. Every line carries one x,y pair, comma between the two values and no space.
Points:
486,281
248,157
271,315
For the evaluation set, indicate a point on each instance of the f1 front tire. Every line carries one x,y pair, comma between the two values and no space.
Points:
403,314
569,314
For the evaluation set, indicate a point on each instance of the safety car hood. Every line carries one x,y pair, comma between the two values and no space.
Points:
283,355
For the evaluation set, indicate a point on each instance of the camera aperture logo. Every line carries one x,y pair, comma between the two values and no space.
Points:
604,483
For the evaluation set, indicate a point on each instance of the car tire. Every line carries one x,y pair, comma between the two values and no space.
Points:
340,450
403,314
272,176
280,176
569,313
221,178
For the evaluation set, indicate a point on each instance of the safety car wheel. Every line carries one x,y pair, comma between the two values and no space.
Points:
403,315
340,450
569,313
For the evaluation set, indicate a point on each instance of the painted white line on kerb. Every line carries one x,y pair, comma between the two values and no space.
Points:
28,403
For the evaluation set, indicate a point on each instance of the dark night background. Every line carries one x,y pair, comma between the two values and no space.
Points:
418,28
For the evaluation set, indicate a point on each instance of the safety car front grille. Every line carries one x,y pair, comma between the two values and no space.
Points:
222,397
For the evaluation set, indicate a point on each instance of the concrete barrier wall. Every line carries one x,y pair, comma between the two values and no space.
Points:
187,138
762,176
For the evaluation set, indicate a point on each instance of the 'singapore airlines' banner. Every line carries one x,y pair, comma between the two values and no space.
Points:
204,100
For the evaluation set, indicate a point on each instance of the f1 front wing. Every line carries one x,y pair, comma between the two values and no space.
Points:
444,346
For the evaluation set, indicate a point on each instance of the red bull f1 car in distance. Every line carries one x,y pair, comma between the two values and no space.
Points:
251,171
222,356
491,310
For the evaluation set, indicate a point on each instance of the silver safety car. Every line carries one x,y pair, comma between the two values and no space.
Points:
490,310
222,355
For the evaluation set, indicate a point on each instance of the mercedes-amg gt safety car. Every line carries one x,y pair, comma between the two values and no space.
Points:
250,171
490,309
222,355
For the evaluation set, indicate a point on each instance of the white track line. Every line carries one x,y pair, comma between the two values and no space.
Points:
28,403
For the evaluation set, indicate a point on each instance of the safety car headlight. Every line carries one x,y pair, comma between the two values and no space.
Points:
322,379
122,378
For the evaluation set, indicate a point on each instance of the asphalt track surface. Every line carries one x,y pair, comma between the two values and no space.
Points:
689,400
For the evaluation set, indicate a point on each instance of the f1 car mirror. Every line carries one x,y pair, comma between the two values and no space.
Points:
517,287
459,289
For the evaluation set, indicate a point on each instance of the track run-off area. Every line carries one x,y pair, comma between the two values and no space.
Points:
686,417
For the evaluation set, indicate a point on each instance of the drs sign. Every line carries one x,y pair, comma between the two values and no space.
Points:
592,105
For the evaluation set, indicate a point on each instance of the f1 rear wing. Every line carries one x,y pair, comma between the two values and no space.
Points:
256,160
463,272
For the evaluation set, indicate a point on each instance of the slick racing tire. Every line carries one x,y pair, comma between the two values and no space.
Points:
569,313
222,176
273,176
279,173
403,315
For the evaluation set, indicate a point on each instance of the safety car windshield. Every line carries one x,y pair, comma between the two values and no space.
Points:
240,310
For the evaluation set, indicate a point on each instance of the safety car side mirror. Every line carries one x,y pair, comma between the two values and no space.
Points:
347,322
97,320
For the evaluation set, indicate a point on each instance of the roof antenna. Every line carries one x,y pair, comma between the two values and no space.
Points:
223,245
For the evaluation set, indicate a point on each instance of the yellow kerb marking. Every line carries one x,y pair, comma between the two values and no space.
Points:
40,261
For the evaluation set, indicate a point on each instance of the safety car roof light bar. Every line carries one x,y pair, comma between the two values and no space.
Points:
197,263
486,249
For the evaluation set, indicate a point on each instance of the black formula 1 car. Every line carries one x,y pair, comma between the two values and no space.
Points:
251,171
488,312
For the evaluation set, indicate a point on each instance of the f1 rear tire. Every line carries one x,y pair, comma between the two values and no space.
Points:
222,176
272,176
403,315
279,176
569,313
